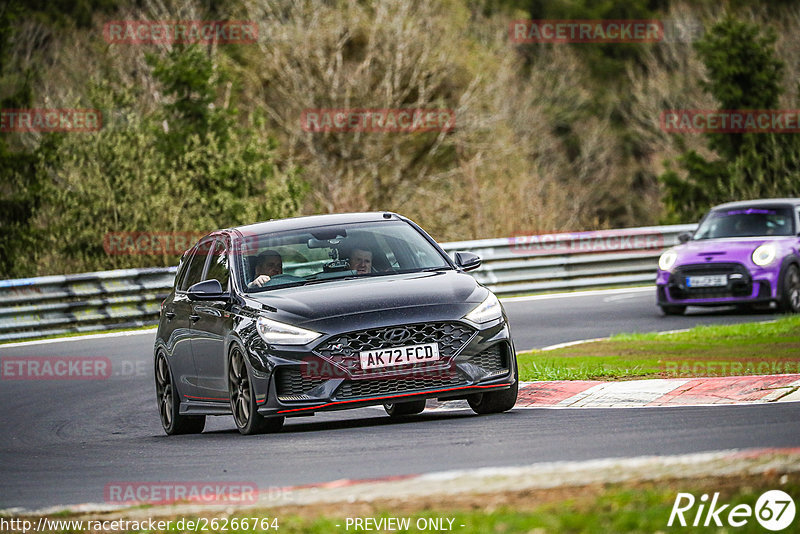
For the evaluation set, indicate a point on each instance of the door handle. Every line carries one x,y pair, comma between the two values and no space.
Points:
170,315
194,318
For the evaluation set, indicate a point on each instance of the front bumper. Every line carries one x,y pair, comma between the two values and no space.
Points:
744,285
301,382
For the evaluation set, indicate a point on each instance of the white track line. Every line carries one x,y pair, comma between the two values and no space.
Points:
568,344
150,331
570,294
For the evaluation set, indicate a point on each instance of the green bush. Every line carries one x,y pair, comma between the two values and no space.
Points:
744,73
188,167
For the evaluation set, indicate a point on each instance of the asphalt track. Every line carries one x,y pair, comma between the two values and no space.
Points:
543,320
64,441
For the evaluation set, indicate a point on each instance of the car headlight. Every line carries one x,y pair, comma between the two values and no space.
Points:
284,334
765,254
667,260
486,311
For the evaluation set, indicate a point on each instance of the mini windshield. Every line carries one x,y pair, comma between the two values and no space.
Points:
746,222
327,253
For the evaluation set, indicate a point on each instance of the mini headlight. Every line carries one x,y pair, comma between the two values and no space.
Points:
284,334
667,260
486,311
765,254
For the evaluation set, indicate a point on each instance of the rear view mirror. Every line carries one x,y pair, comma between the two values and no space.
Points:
468,261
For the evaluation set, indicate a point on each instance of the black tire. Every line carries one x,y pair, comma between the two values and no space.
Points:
789,299
169,403
495,401
673,310
396,409
243,401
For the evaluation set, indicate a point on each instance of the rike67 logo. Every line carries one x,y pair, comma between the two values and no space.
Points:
774,510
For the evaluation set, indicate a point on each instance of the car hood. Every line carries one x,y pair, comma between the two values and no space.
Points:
720,250
396,294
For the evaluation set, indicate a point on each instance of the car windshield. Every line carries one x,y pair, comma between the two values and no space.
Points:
746,222
326,253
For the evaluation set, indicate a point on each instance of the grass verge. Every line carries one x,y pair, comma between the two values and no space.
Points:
728,350
622,508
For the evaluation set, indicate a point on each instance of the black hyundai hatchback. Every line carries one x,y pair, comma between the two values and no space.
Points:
290,317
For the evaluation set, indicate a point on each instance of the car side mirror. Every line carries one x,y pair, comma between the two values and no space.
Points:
468,261
207,290
685,236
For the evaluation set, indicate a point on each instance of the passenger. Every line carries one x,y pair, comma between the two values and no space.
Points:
267,264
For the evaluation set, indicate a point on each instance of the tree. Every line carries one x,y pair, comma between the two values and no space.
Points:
191,166
18,184
743,73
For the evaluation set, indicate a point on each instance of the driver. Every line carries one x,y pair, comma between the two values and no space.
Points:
267,264
360,260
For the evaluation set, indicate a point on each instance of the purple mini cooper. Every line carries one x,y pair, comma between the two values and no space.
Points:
742,253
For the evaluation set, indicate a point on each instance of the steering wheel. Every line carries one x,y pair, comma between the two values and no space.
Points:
283,278
278,279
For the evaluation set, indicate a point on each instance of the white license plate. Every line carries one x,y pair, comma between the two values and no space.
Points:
389,357
711,280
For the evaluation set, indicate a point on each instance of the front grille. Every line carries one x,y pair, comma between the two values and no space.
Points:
739,286
342,350
709,268
370,387
292,385
492,359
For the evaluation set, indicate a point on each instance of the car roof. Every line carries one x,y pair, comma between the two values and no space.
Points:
297,223
764,202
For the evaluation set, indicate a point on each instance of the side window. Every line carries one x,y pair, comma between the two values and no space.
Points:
182,268
218,268
197,261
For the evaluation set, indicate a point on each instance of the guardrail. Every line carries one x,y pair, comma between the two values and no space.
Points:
567,261
42,306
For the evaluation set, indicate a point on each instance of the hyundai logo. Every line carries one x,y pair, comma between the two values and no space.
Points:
397,335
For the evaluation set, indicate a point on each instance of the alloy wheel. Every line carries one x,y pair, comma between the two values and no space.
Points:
164,391
239,389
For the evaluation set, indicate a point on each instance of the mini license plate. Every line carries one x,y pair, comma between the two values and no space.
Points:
372,359
711,280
